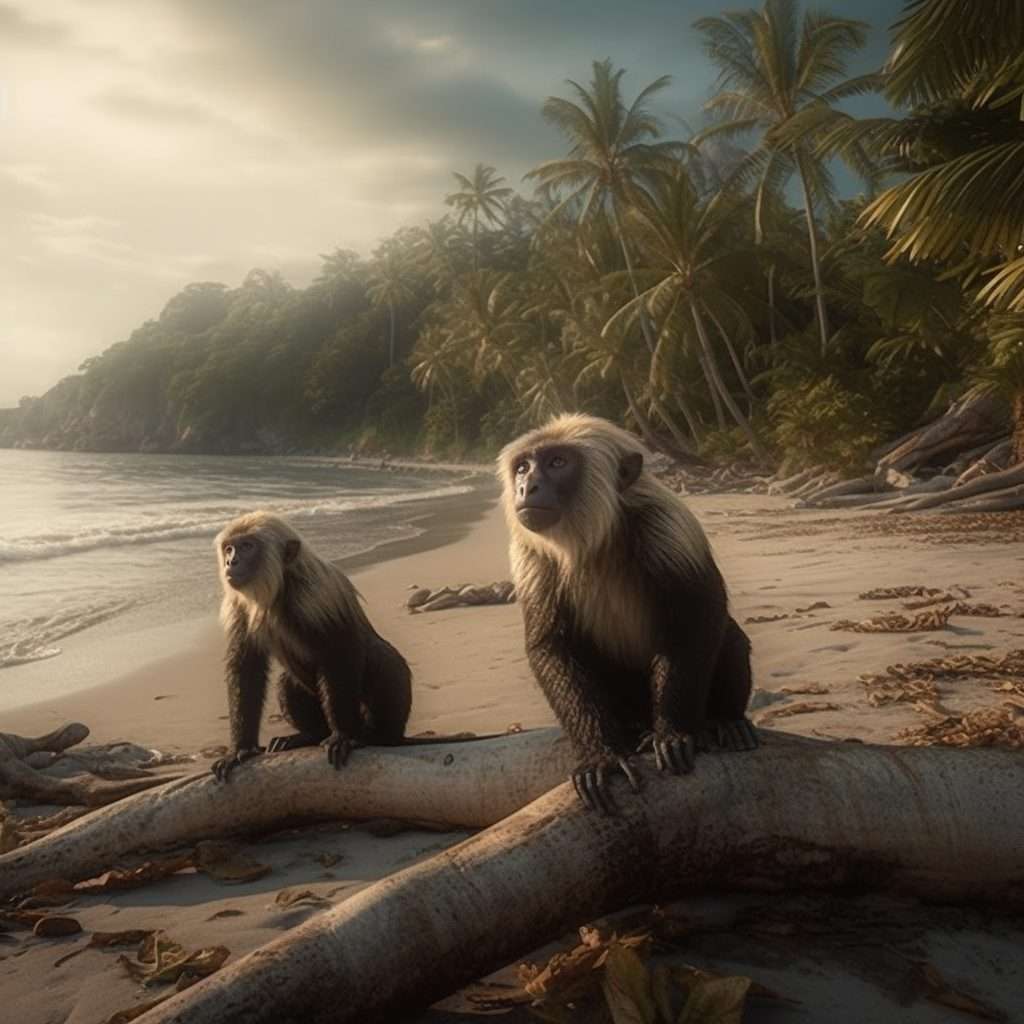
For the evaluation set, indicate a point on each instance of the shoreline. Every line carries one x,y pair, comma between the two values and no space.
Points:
438,522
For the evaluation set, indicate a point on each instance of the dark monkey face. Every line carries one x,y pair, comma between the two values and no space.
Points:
546,481
242,556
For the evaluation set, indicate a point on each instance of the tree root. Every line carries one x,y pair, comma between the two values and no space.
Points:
982,485
939,823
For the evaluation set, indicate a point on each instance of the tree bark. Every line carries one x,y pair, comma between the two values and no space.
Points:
812,238
1018,427
945,824
734,410
735,359
970,420
469,784
992,482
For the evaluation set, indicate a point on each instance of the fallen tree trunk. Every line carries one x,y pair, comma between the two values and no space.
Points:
974,418
994,459
992,482
941,823
1005,500
470,784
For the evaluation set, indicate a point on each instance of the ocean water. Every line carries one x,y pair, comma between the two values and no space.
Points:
88,538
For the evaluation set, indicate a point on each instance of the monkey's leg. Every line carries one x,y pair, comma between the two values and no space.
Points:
301,707
681,682
387,696
728,726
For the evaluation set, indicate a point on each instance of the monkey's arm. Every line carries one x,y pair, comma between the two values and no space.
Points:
576,693
246,674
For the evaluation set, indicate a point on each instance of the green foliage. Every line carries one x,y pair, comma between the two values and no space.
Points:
823,423
722,320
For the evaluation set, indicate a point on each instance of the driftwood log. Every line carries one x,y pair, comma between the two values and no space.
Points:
471,784
940,823
23,758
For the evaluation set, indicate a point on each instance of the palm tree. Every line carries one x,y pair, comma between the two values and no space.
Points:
614,148
481,195
390,285
685,239
961,67
431,369
781,78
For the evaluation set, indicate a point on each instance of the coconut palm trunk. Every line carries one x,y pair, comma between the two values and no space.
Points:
812,241
730,403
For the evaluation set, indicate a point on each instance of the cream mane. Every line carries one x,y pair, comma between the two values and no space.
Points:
320,592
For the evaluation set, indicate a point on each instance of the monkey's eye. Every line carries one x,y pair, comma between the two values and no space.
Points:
245,545
558,461
521,467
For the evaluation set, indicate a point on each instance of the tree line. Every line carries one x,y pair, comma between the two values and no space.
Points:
666,283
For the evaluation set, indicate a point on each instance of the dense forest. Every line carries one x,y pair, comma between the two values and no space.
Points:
666,283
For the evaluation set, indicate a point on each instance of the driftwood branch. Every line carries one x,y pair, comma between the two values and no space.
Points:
22,756
937,822
471,784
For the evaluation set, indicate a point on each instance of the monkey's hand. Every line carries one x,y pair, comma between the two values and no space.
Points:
223,766
591,780
338,748
675,751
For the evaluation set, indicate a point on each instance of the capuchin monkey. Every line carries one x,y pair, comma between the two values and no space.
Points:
341,684
627,624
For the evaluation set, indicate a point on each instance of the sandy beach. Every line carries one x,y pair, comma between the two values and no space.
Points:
792,576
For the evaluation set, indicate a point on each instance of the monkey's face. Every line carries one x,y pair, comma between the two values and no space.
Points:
241,556
545,480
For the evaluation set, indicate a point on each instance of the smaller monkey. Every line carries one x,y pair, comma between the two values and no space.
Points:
341,683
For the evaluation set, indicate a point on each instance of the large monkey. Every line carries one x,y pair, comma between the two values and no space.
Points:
341,683
627,624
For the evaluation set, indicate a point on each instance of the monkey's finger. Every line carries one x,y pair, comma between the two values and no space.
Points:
599,787
630,772
344,751
578,786
750,734
646,743
739,740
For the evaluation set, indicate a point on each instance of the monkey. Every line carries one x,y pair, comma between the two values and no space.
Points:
625,612
341,683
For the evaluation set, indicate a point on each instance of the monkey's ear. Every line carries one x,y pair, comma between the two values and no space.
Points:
291,550
629,469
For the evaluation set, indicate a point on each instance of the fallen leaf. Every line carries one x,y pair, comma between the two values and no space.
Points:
627,987
227,863
803,707
287,898
717,1001
56,927
108,940
938,990
226,913
132,878
160,960
815,606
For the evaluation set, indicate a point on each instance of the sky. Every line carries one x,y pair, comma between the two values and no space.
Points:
145,144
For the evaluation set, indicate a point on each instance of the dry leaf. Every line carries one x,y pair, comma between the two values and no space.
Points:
132,878
134,1012
938,990
227,863
803,707
985,727
891,593
160,960
107,940
814,607
753,619
288,898
627,987
894,622
806,688
56,927
717,1001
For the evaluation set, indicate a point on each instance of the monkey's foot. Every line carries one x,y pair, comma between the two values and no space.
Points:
224,766
291,742
591,782
734,734
338,748
675,751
